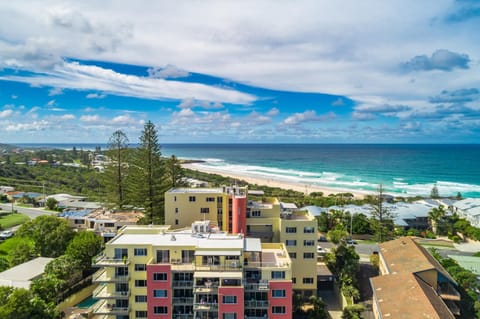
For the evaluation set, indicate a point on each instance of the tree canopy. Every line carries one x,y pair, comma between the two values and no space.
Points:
49,234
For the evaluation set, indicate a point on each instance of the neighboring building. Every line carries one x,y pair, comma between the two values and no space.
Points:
21,276
104,223
229,209
4,189
412,284
469,209
200,272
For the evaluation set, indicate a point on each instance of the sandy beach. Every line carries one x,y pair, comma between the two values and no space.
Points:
271,182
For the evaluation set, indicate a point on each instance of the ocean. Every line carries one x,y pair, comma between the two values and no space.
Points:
402,169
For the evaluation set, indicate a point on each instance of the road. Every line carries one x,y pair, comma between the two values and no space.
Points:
30,212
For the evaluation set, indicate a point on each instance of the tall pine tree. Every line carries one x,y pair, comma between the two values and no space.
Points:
116,172
148,172
175,176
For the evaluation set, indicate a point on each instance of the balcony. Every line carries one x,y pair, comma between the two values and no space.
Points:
263,285
205,306
182,300
101,292
101,276
182,284
256,304
104,261
103,307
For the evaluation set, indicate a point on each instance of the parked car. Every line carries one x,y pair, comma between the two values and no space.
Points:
321,250
6,234
351,241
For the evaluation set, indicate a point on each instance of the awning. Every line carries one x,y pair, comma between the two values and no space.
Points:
253,244
218,274
217,253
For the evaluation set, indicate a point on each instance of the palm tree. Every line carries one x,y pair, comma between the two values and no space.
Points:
436,215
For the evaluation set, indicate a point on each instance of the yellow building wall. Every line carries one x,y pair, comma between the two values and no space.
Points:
301,268
180,212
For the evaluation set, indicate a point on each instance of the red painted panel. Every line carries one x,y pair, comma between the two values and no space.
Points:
160,285
237,308
283,301
239,214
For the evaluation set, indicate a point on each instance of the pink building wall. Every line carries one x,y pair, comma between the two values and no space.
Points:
162,285
231,308
281,301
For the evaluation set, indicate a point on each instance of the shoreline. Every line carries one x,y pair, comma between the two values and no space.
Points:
272,182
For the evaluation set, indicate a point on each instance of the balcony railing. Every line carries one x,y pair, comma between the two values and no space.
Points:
256,304
256,286
182,316
204,306
259,264
102,276
101,292
103,307
187,284
104,261
182,300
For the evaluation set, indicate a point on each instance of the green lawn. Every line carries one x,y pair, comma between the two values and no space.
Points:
11,220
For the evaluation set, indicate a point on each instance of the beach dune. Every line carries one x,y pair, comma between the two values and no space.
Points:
272,182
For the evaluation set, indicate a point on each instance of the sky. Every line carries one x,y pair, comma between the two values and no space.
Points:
347,71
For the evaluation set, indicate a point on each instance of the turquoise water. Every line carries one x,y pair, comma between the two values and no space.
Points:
87,302
403,169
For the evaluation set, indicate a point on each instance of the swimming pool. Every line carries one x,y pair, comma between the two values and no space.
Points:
86,303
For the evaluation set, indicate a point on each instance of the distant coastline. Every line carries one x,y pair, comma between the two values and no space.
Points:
403,169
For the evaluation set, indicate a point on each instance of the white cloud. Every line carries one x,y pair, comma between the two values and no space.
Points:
33,126
73,75
95,96
307,116
91,118
6,113
55,91
169,71
273,112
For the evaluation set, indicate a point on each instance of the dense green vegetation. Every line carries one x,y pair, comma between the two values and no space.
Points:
468,286
8,219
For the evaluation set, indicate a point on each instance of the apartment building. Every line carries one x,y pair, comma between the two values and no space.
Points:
269,220
412,284
197,272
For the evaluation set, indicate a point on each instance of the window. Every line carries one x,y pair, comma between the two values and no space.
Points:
278,275
229,299
110,225
176,221
290,242
219,199
308,230
120,253
160,276
292,255
79,221
140,252
141,314
191,199
278,309
294,280
309,243
256,213
160,293
174,198
308,281
121,271
140,267
176,210
291,230
229,315
210,199
163,256
278,293
308,255
140,298
160,310
205,210
140,283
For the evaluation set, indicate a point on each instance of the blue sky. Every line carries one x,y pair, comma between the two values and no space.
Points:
240,71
